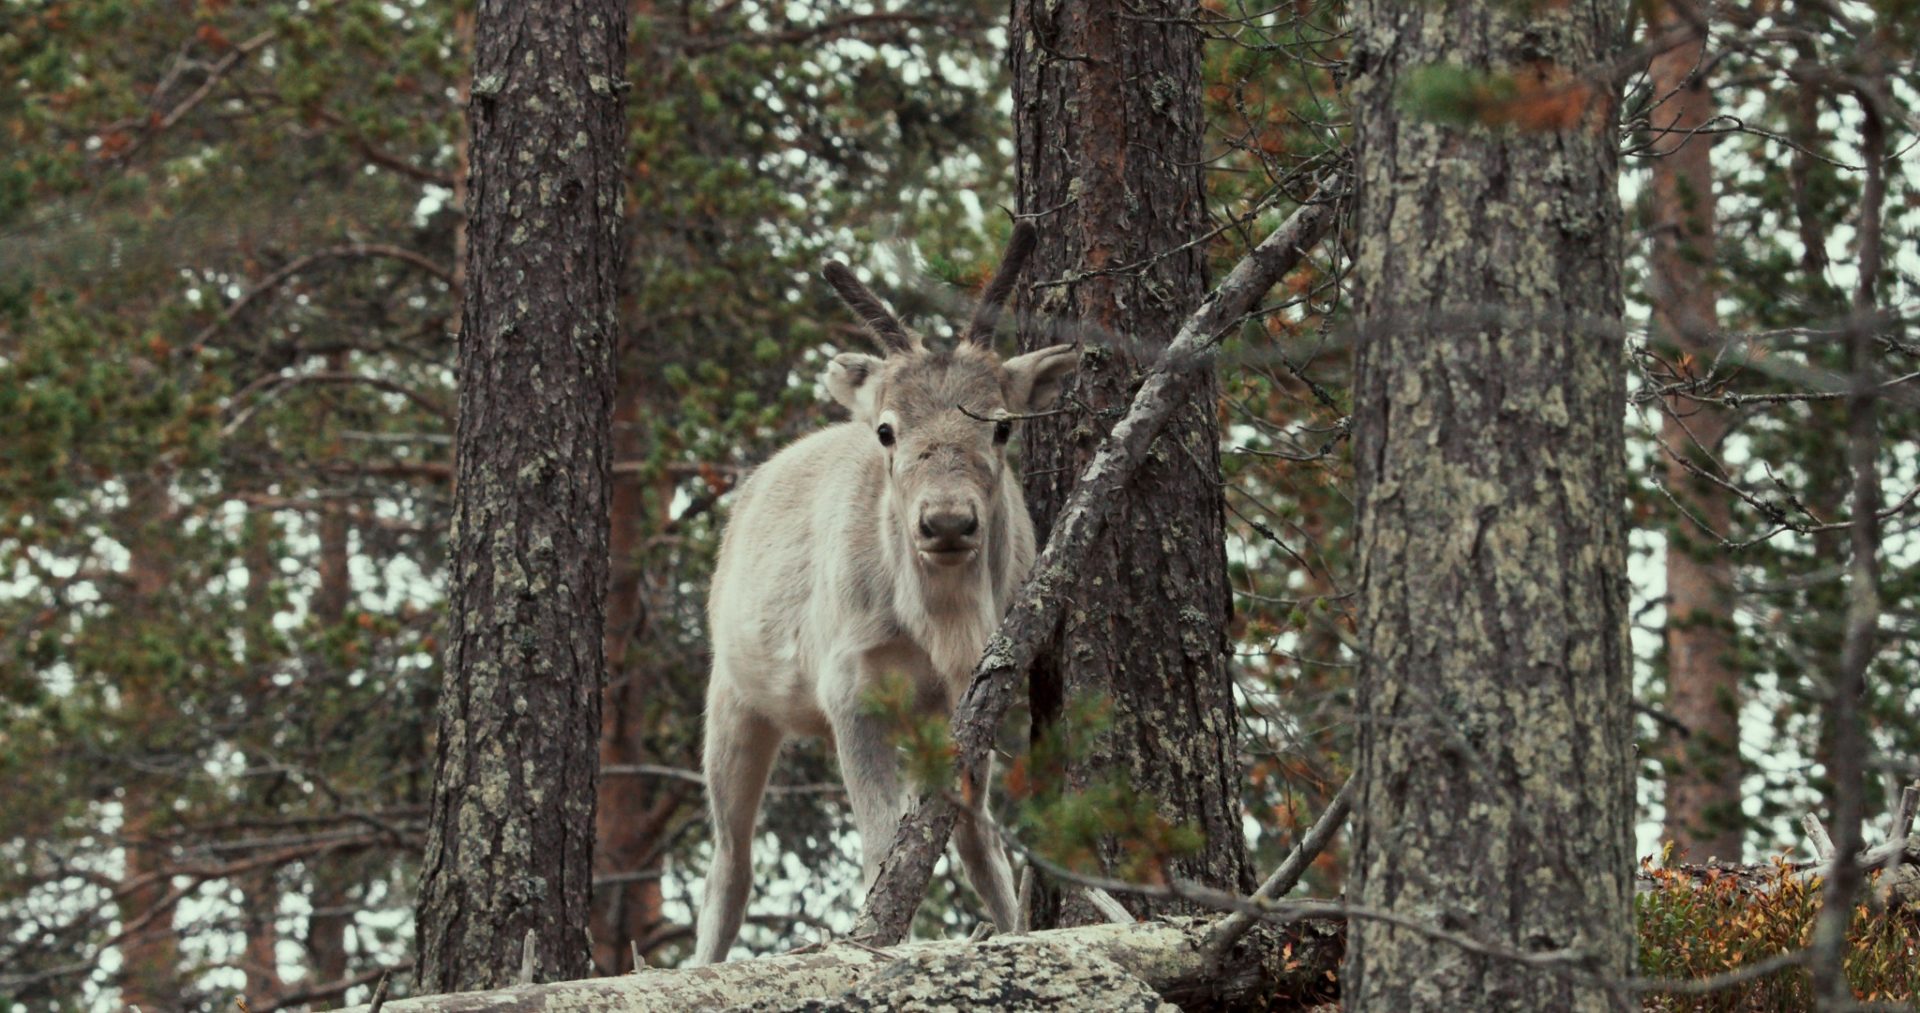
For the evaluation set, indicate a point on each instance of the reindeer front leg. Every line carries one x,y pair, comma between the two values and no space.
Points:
984,860
869,764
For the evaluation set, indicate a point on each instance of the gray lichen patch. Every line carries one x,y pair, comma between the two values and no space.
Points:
1487,430
1012,976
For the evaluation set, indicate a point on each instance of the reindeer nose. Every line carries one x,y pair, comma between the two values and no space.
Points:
948,524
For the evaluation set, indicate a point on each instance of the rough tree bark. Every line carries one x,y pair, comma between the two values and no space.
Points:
1496,742
1109,123
1703,818
510,843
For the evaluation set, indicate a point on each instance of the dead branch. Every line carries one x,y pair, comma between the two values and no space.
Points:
347,251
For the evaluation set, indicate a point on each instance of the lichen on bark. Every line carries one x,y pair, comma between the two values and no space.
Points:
510,836
1496,740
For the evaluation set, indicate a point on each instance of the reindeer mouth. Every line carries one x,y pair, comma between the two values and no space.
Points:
948,537
947,554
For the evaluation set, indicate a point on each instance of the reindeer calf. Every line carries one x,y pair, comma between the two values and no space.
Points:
886,546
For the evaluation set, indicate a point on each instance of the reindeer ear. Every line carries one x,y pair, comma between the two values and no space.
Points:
1038,376
851,379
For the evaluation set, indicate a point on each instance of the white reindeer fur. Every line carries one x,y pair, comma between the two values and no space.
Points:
820,591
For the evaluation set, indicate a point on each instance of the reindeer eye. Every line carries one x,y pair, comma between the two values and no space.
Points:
885,433
1002,429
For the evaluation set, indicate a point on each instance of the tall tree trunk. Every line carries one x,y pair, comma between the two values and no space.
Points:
510,842
262,892
1496,740
630,814
332,873
150,955
1703,817
462,160
1108,113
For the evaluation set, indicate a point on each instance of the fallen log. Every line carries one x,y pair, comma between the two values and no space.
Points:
1898,864
1271,968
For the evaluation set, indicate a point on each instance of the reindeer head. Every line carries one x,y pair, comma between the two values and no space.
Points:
941,417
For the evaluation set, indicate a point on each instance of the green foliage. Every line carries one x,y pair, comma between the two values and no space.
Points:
923,734
1540,97
1067,822
1454,94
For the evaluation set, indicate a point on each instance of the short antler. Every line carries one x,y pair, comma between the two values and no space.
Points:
880,321
1019,248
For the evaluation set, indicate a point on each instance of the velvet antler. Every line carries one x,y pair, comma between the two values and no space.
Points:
1019,248
879,320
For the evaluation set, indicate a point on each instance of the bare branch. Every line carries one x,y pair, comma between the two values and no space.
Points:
299,264
1284,878
1817,833
1903,813
215,74
328,990
1846,738
883,26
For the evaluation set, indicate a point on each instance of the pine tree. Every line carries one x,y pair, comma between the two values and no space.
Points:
1495,733
249,298
182,204
1109,145
1703,797
507,876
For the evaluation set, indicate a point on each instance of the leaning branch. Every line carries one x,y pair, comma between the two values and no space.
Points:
922,836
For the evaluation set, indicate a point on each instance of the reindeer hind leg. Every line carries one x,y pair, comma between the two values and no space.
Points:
737,758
